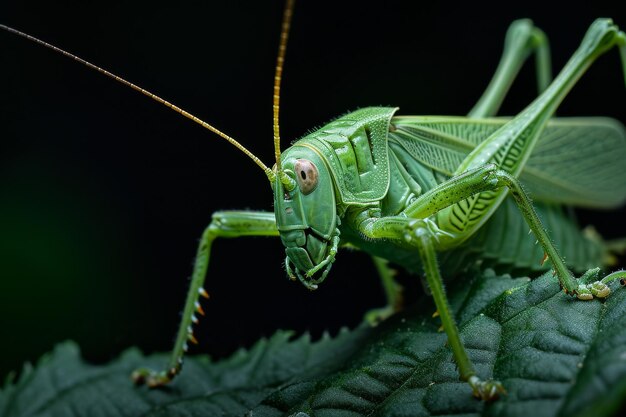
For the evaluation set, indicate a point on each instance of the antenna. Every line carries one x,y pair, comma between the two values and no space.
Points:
153,96
280,60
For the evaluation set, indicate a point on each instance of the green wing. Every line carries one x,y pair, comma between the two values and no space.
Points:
577,161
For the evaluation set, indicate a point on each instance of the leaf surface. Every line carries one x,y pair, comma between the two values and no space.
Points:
555,355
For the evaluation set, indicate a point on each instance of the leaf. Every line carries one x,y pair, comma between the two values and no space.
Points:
556,356
64,385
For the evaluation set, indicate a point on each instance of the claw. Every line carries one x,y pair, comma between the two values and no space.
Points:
591,287
596,289
488,390
153,378
600,289
582,293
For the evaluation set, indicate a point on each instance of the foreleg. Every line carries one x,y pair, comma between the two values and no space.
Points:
223,224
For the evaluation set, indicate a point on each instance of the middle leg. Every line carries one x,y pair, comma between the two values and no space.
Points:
480,181
417,226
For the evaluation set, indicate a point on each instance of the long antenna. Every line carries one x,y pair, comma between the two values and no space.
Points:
145,92
280,60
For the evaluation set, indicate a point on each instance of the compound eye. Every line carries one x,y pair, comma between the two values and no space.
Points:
306,175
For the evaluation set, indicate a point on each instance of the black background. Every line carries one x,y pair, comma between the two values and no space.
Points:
104,193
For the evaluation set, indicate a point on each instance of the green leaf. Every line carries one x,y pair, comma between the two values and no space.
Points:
556,356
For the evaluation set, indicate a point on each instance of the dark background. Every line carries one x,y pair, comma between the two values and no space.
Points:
104,193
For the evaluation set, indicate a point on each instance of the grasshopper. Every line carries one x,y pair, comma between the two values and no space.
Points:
410,188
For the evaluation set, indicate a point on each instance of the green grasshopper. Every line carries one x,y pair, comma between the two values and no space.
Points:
410,189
